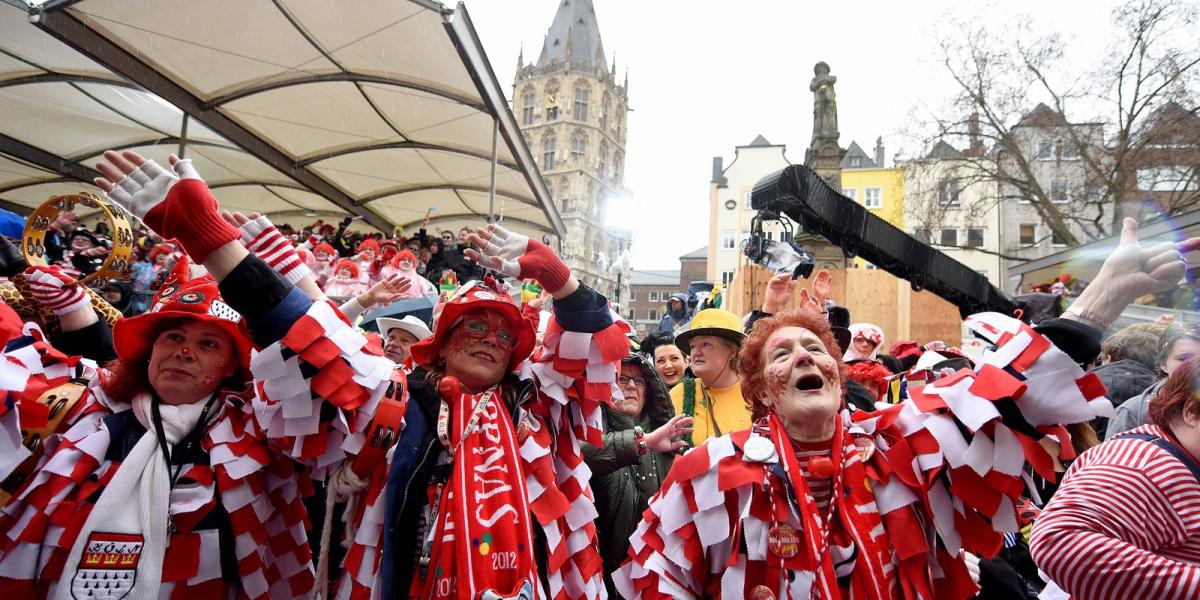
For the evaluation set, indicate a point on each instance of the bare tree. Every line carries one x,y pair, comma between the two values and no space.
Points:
1134,113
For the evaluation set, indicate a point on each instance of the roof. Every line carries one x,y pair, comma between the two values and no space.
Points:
943,151
575,27
759,141
652,277
697,253
386,113
865,160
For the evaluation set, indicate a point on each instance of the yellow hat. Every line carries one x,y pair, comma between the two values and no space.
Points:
712,321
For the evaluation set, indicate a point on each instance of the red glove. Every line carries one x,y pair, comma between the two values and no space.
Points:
53,289
175,205
523,257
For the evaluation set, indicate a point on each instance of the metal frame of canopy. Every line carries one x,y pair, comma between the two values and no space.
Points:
81,25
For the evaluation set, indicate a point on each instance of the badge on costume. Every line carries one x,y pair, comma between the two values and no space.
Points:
108,568
762,592
866,448
783,541
759,449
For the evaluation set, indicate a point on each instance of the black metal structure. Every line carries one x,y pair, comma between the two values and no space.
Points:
801,194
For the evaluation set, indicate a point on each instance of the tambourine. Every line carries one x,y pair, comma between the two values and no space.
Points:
33,239
33,247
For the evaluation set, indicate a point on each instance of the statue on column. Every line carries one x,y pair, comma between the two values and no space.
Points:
825,124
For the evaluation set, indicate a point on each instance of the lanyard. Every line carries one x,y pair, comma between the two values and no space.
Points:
185,445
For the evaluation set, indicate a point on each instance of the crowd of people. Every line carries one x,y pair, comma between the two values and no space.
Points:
239,435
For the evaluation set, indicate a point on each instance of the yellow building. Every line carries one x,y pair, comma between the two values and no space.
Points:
866,181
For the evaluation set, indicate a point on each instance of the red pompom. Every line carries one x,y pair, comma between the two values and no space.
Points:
820,467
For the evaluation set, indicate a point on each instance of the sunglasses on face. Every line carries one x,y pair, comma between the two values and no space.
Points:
637,381
481,328
447,237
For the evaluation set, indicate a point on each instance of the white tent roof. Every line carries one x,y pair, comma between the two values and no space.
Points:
384,109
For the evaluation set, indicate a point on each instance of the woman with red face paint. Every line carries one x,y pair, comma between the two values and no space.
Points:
815,501
172,475
486,490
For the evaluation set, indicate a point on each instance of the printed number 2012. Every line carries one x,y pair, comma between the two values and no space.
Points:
504,560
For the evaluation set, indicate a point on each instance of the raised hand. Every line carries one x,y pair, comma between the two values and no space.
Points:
778,293
174,204
55,290
261,237
386,291
666,438
821,285
519,256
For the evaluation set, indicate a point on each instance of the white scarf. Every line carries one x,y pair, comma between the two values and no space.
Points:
143,476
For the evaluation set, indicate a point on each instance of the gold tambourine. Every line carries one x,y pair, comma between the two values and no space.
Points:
33,247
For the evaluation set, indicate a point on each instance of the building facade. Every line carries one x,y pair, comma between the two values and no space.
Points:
729,204
572,112
648,293
866,180
952,211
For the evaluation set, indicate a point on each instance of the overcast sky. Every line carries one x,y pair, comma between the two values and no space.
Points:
705,76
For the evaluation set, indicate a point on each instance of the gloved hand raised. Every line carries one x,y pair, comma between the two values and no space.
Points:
175,205
518,256
55,290
261,237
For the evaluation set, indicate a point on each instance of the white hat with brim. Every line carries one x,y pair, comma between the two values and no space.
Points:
409,323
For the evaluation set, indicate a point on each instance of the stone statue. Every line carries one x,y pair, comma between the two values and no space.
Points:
825,124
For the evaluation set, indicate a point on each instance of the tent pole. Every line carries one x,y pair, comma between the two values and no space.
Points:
492,187
183,137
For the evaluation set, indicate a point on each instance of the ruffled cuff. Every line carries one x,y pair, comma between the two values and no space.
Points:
320,361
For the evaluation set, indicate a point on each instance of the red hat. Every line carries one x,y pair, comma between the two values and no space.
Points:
323,247
347,263
905,348
368,244
159,249
472,297
403,254
182,298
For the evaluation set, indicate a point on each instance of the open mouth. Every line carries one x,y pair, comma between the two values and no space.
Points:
810,383
483,356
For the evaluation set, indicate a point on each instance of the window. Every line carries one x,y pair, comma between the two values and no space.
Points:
604,108
529,110
632,294
851,193
548,144
873,197
602,160
726,277
855,162
1057,240
1027,234
581,104
975,237
1058,190
949,192
746,199
949,237
1068,150
728,239
770,235
1045,150
923,235
654,296
578,146
652,314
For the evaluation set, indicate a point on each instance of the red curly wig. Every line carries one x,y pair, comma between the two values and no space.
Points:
1179,395
870,375
752,363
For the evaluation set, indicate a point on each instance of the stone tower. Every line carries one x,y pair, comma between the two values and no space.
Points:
572,113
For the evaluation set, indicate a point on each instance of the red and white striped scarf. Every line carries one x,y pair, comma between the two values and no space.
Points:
482,537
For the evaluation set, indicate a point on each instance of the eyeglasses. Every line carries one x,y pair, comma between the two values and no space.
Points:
480,328
638,381
447,237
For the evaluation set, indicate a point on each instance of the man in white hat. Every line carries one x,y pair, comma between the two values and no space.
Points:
399,335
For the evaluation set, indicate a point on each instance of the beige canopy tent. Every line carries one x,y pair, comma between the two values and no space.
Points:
299,109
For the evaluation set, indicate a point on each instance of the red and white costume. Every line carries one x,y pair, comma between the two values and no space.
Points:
942,473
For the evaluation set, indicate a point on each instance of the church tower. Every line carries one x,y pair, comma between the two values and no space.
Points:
572,113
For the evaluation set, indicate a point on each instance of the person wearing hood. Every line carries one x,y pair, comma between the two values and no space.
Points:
404,265
678,316
865,340
641,435
436,266
120,295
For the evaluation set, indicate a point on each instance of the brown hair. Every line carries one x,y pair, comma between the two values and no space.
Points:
1176,397
126,378
751,361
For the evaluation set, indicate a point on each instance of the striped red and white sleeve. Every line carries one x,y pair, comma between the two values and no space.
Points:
1124,524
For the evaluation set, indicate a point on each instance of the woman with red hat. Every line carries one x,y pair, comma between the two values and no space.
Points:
173,476
346,280
815,501
490,449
